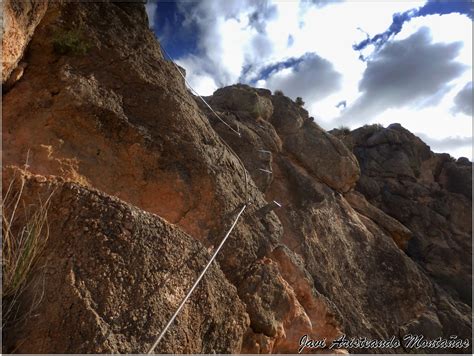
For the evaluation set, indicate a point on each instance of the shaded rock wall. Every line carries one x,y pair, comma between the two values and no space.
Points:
429,193
353,250
109,119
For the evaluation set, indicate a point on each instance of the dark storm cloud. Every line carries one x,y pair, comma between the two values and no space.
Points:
463,100
409,72
312,78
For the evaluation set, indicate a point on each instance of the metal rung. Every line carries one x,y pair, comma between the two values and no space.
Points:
268,208
266,171
265,151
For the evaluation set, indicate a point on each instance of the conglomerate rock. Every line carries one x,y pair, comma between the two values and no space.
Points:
113,275
118,119
19,20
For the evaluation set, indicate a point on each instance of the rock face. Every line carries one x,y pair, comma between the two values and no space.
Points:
20,18
113,275
352,249
100,117
428,193
110,124
398,232
280,124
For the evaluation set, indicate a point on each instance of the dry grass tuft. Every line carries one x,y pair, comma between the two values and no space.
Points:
25,233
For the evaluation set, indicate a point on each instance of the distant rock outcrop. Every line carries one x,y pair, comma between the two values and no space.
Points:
110,124
354,251
429,193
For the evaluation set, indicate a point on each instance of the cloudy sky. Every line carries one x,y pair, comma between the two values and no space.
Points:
353,62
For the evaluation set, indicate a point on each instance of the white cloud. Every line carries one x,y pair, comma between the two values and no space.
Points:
150,8
411,72
197,76
230,42
237,39
202,83
439,124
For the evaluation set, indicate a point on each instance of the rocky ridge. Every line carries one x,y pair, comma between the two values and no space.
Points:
145,187
428,193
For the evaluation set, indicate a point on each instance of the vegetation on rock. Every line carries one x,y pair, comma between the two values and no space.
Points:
299,101
25,234
70,42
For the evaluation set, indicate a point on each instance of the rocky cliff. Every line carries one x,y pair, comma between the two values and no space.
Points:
429,193
373,238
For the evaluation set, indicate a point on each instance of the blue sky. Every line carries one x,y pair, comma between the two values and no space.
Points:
387,61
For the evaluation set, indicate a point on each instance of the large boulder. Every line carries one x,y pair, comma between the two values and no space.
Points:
389,152
287,117
456,177
112,275
289,130
242,98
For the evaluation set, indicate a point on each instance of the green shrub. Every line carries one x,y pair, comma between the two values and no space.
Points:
70,42
372,128
299,101
278,92
375,126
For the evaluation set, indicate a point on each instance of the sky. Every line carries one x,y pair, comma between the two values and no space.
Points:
353,62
